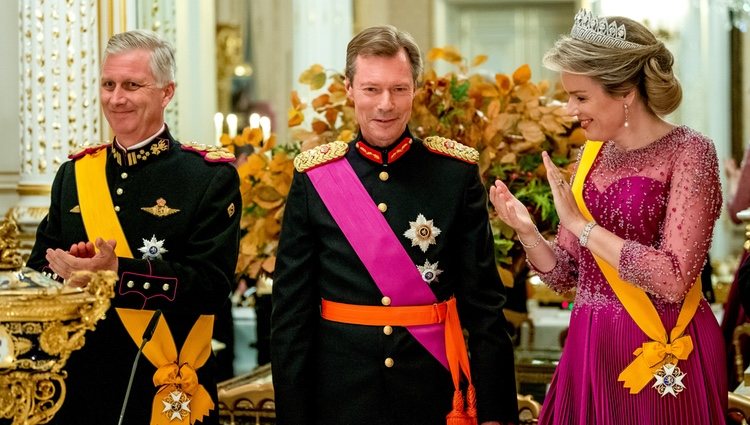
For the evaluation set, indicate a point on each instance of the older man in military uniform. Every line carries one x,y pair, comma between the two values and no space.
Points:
164,216
385,243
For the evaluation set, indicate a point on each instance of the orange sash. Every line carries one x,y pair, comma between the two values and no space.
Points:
445,312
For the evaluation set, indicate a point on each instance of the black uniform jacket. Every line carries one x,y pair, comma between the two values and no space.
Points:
332,373
197,243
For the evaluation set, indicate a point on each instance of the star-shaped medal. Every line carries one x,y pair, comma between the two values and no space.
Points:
422,233
669,380
176,405
429,271
153,249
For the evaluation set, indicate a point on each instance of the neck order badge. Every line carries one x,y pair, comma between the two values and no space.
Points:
180,397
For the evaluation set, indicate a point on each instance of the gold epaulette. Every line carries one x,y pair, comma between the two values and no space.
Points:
208,152
81,151
451,148
320,155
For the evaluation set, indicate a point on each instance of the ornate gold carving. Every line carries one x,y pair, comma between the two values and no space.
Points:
36,311
10,257
31,399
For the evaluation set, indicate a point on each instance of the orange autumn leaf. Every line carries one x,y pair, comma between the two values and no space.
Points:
295,117
294,97
309,75
434,54
254,136
319,126
321,101
522,75
503,83
478,60
331,116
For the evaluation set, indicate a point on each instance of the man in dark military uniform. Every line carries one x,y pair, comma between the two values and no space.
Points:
370,227
178,208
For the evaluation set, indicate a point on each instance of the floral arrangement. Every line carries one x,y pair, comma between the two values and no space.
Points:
265,171
509,120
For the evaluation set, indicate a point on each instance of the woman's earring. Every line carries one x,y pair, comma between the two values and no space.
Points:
626,115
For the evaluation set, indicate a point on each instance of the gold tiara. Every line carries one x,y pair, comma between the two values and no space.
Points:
589,28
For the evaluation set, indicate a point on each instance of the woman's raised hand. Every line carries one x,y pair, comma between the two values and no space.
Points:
510,210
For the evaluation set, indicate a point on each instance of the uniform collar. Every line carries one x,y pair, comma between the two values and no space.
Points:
387,155
149,151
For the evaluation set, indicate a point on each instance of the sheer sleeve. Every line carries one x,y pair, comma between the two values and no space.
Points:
564,275
669,268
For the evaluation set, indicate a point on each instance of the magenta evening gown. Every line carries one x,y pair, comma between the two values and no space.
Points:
663,199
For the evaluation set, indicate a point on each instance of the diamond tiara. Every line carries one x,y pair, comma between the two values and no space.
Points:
589,28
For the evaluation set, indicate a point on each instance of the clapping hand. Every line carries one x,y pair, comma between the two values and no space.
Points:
82,256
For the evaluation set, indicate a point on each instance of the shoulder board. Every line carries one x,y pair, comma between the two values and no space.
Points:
451,148
81,151
320,155
209,153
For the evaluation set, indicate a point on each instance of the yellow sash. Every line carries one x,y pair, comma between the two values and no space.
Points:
174,376
95,200
180,397
659,350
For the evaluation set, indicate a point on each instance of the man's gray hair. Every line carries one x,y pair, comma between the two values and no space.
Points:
162,53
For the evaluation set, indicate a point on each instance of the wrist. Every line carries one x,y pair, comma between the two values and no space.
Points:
530,239
583,239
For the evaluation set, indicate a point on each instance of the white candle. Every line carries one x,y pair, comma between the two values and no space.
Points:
232,125
218,127
265,125
254,120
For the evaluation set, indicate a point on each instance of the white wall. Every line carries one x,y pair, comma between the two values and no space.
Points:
9,101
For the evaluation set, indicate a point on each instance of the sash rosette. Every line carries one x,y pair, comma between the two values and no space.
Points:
180,398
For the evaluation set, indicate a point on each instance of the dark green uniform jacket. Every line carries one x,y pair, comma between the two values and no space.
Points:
342,374
185,254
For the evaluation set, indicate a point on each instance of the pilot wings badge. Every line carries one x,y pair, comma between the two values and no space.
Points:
160,209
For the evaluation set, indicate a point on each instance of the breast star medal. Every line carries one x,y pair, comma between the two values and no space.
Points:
669,380
152,249
429,271
176,406
422,233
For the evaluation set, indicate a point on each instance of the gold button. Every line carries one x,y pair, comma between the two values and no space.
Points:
131,284
165,287
119,191
382,207
117,208
388,362
124,175
387,329
386,301
383,175
146,285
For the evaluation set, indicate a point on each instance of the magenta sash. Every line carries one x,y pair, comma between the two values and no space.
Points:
377,247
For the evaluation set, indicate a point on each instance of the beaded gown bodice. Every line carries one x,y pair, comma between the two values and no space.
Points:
663,200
